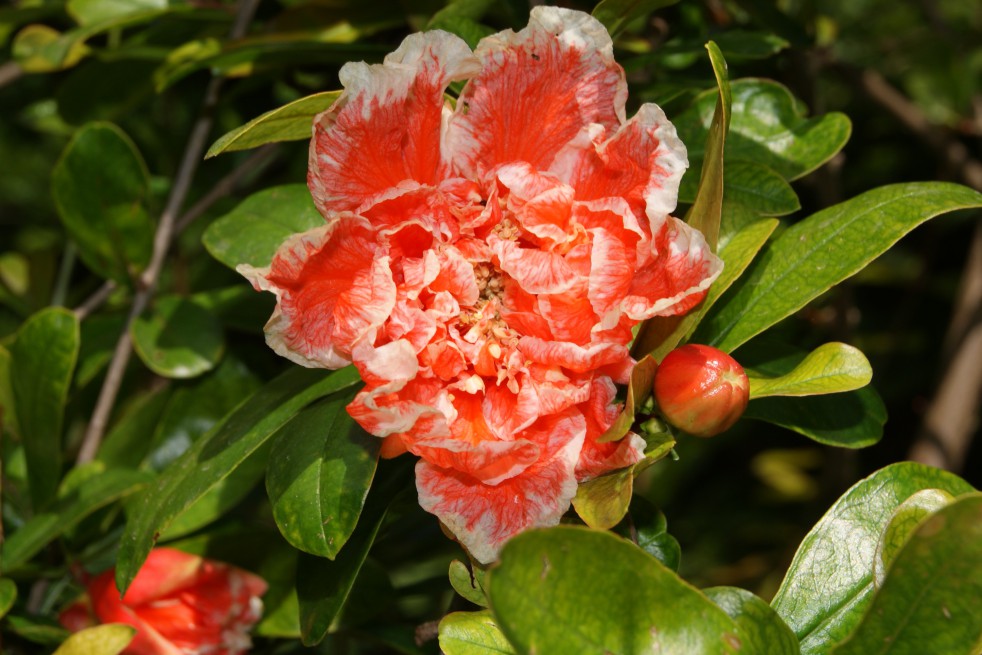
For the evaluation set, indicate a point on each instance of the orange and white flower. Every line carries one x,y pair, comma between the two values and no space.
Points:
483,263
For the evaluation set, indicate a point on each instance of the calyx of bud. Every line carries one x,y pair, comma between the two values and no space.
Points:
701,390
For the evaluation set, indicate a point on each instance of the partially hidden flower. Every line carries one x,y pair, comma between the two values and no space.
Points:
483,262
180,604
701,390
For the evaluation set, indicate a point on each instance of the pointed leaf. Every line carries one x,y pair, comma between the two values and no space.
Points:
8,594
292,122
829,585
761,630
472,633
576,590
751,184
214,456
109,639
42,361
467,583
830,368
602,502
320,469
648,528
853,419
638,390
251,233
824,249
929,600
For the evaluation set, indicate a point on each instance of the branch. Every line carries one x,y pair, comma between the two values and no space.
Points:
147,282
9,72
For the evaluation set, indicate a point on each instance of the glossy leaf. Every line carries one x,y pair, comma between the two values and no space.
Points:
751,184
908,515
109,639
41,529
291,122
99,187
830,368
853,419
320,469
798,266
647,527
618,14
472,633
42,360
8,594
829,584
768,128
467,583
761,630
251,233
178,338
216,455
929,600
603,501
575,590
91,11
323,585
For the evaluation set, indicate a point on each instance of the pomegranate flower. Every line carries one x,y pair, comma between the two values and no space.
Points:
482,263
180,604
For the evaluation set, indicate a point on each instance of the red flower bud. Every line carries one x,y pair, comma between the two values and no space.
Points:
179,604
701,390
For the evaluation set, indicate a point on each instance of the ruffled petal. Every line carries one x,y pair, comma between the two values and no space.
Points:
536,271
677,275
388,125
537,91
333,288
484,516
599,458
642,162
579,359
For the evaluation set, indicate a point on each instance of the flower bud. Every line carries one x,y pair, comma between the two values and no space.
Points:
701,390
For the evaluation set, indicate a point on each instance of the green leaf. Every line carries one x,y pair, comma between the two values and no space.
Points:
98,491
752,185
99,187
323,585
929,600
575,590
603,501
320,469
908,515
768,128
648,528
822,250
8,594
472,633
830,368
39,629
92,11
41,49
853,419
42,360
213,457
829,585
251,233
759,627
467,583
109,639
178,339
618,14
8,414
291,122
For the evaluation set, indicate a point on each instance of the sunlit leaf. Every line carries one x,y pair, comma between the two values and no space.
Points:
830,368
109,639
472,633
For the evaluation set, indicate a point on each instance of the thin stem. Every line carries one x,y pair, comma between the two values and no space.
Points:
9,72
96,300
64,275
161,245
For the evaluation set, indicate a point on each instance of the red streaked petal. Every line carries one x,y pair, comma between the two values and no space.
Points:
165,571
677,275
332,288
536,271
579,359
388,126
490,462
484,516
600,412
642,162
538,89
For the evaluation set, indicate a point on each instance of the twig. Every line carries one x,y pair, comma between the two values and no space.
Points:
96,300
161,244
9,72
227,185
